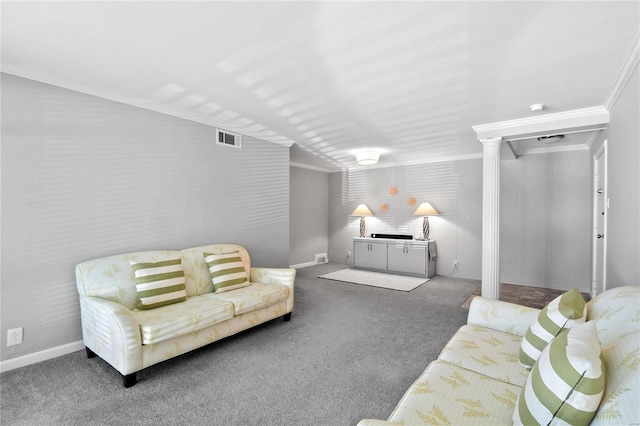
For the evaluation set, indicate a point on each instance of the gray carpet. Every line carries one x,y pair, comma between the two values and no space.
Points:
349,352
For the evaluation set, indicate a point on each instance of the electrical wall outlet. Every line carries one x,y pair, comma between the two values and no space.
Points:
455,263
348,253
14,336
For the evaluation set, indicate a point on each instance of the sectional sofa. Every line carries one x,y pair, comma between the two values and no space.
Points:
132,322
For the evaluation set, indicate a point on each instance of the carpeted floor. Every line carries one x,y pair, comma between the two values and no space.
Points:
349,352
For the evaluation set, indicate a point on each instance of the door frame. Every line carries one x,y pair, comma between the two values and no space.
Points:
601,153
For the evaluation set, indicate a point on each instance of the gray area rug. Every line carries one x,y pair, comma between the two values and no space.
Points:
376,279
348,353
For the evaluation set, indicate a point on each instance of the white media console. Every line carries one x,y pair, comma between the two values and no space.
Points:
400,256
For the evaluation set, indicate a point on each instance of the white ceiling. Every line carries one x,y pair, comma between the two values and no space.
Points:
406,78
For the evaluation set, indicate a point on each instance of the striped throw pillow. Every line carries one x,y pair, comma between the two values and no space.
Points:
159,283
565,311
227,271
567,383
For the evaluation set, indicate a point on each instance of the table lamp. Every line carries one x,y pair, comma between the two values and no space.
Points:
362,210
426,210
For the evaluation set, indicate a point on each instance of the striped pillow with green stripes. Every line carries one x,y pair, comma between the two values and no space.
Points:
227,271
565,311
567,383
159,283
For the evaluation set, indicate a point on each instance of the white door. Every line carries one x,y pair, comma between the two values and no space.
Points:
600,207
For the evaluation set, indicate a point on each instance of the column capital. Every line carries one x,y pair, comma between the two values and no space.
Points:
491,146
491,141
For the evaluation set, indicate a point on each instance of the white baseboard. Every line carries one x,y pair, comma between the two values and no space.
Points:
23,361
302,265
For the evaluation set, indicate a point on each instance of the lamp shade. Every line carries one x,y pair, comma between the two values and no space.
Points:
366,158
362,210
425,209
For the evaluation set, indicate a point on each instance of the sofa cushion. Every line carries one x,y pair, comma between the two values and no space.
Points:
566,383
227,271
197,271
448,394
174,320
616,313
253,297
565,311
485,351
159,283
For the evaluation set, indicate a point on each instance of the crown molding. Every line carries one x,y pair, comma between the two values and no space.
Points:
628,67
566,120
309,167
446,159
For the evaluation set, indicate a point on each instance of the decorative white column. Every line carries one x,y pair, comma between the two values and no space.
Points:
491,218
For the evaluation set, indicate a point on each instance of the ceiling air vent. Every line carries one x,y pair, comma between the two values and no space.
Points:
228,139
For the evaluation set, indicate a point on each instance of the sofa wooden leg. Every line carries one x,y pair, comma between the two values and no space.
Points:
90,353
129,380
287,317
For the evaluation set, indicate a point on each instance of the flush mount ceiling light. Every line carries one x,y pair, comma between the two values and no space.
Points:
550,139
367,158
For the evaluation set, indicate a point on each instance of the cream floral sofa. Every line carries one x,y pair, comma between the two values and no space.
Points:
477,378
131,339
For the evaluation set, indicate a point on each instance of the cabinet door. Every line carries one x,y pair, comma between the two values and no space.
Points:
407,258
370,255
396,256
361,254
416,260
378,259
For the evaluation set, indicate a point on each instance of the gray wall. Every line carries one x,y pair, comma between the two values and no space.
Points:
453,188
545,215
623,222
309,215
84,177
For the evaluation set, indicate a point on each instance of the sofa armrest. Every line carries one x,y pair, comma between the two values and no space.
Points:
501,316
111,331
284,276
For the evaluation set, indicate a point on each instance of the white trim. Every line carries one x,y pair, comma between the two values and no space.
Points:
302,265
592,129
387,165
34,358
629,65
306,166
574,119
592,138
541,119
550,149
602,151
419,162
